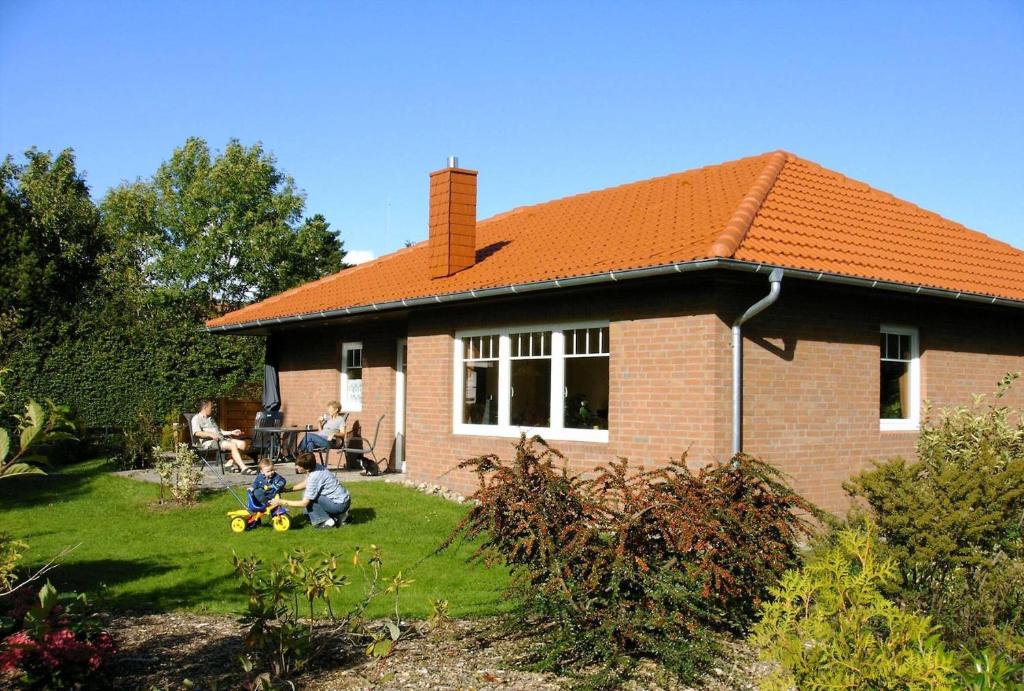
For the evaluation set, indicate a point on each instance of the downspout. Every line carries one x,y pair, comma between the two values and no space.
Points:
775,278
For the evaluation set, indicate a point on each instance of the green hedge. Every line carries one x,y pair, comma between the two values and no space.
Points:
108,373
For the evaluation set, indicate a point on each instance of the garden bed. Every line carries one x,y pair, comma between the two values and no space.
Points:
161,651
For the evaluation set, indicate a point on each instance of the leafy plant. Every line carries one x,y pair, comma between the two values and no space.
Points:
169,434
139,444
439,615
991,671
952,522
280,641
58,641
38,426
181,474
633,564
830,627
11,552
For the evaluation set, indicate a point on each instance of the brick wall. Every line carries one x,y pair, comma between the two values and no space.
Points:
310,377
811,380
811,374
664,393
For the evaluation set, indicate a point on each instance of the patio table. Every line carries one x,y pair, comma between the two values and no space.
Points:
278,437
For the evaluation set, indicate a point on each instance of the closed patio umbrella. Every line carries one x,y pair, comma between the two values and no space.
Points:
271,388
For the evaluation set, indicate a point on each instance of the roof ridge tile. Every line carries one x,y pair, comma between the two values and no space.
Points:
731,237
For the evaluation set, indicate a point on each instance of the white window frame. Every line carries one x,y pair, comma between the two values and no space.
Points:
912,422
347,405
504,428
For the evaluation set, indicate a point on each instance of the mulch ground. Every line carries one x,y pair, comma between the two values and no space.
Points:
163,651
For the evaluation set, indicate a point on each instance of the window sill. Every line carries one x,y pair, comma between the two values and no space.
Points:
599,436
899,426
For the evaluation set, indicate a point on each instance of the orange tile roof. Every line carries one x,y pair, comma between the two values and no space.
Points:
775,209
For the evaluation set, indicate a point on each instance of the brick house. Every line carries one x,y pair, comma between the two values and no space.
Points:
606,322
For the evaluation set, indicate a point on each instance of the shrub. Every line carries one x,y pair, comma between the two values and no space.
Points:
11,552
169,434
631,565
181,474
830,627
58,641
139,443
280,643
952,522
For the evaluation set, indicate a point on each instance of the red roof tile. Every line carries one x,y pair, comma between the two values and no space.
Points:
774,209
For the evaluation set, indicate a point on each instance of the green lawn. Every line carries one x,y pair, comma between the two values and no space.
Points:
150,558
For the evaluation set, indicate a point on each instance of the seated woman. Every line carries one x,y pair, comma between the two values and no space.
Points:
331,425
325,500
210,436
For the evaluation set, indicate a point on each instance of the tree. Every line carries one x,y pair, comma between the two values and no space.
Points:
102,309
50,239
224,229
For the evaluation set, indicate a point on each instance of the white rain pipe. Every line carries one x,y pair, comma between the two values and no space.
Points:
775,278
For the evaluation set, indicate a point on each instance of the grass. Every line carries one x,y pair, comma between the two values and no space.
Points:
144,557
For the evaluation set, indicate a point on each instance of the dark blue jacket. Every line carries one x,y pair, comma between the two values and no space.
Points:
266,488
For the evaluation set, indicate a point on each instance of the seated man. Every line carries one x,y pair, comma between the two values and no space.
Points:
325,500
209,436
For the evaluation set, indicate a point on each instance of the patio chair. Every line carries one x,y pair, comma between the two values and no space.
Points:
263,442
334,444
216,453
371,465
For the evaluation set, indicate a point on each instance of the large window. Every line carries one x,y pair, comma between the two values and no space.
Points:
352,377
899,384
552,380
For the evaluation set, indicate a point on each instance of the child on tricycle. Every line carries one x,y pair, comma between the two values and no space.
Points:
265,487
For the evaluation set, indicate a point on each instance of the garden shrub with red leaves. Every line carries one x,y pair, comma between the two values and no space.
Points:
634,564
57,640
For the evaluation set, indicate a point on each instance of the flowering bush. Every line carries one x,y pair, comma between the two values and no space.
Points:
634,564
57,641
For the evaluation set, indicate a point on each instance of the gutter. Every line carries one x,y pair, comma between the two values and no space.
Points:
615,277
775,279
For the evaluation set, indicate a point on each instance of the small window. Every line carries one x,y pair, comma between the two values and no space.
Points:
899,385
586,378
352,376
480,380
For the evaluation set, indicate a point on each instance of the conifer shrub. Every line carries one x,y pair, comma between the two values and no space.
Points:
952,522
633,564
829,626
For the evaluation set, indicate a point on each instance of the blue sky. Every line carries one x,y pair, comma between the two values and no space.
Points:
360,101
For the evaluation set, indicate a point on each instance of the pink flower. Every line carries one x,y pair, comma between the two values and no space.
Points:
61,640
20,639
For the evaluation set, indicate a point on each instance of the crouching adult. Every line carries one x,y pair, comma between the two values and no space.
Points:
325,500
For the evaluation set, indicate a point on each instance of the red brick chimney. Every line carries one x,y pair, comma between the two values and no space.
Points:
452,219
